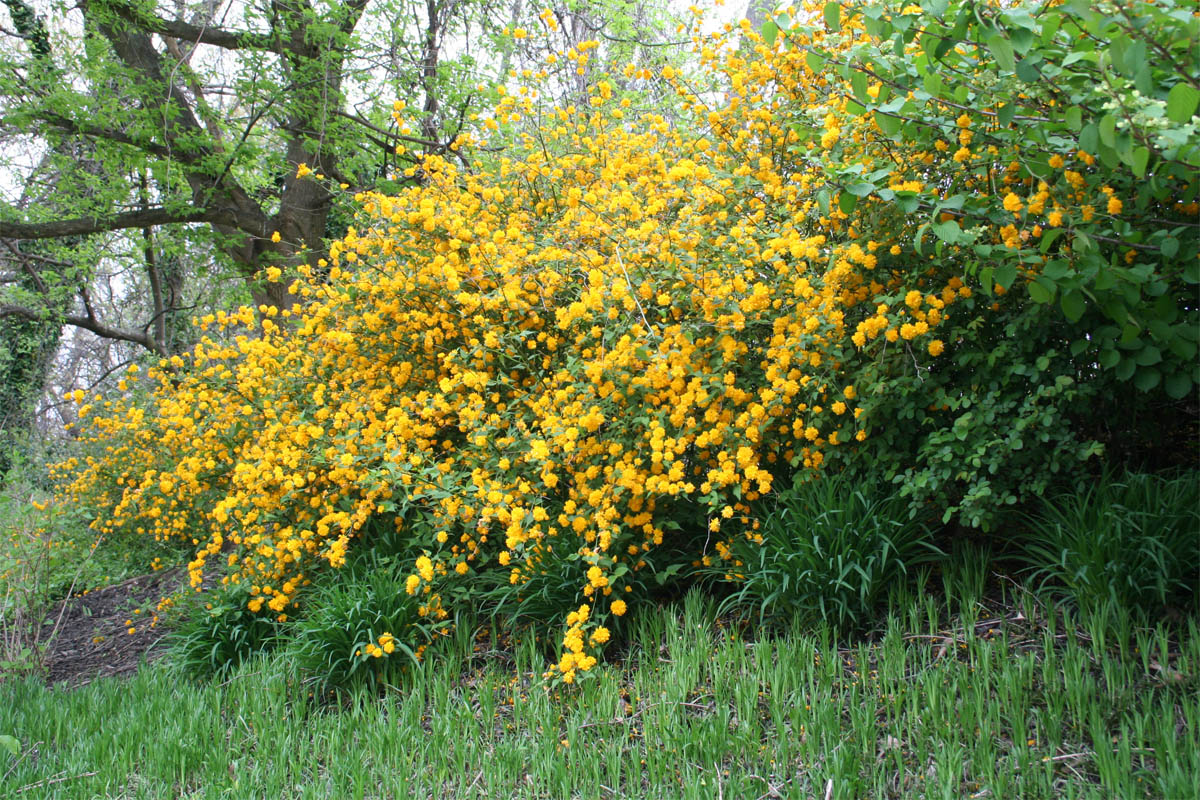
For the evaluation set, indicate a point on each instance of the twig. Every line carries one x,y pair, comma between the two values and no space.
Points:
50,781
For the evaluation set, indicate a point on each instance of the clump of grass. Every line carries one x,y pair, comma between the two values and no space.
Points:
361,628
830,552
1133,540
223,632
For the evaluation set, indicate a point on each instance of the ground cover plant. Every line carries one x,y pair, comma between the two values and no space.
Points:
917,246
1131,540
1009,701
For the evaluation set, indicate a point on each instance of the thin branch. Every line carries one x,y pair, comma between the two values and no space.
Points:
390,134
88,129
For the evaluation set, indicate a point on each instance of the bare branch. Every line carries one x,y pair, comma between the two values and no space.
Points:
89,323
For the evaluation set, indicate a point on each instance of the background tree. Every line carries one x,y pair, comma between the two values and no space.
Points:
152,150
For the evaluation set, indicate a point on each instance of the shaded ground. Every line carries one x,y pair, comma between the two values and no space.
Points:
93,640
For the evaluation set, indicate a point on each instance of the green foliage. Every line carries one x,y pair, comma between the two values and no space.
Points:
360,627
1052,154
1000,418
830,552
1133,540
930,709
215,639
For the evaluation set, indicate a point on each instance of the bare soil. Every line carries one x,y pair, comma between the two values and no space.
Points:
93,640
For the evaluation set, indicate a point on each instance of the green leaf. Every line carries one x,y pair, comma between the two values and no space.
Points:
1147,379
1107,130
833,16
908,202
1041,290
1148,356
823,202
860,189
1004,114
1170,246
815,61
770,30
1074,118
1089,138
847,202
1057,269
1073,304
11,744
1177,385
1109,358
920,235
1141,157
1181,102
933,84
1002,50
887,123
858,82
948,231
1005,274
1022,39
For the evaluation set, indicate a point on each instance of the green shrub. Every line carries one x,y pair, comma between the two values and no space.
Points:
1135,541
830,551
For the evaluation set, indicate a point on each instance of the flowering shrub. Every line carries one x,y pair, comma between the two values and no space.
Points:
590,356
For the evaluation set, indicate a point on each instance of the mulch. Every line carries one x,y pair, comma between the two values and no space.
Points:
93,640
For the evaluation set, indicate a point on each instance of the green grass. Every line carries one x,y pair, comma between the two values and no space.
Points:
1026,705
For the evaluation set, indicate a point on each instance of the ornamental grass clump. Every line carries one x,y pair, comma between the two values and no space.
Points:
1133,540
354,624
588,358
827,552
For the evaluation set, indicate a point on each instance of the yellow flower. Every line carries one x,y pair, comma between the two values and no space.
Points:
936,347
1012,203
618,607
1114,205
275,237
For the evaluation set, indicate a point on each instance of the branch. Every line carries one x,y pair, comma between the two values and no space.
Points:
83,226
81,128
391,134
88,323
198,34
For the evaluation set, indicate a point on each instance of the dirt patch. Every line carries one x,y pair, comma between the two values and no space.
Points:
93,639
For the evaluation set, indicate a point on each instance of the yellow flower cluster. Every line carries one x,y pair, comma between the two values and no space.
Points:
618,324
385,646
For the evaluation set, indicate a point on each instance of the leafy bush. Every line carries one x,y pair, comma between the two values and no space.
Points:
826,551
1134,541
918,246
